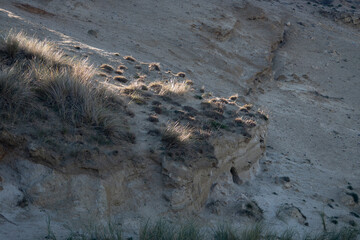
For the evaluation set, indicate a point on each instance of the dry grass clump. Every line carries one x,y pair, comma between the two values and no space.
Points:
234,97
189,82
181,74
245,122
156,86
137,98
102,74
106,67
130,58
136,92
153,118
57,81
17,46
75,98
176,134
121,79
169,88
15,94
122,67
140,77
174,88
246,107
154,67
263,114
134,87
119,71
219,100
217,104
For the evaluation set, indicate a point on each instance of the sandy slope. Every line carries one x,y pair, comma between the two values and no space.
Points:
311,89
314,133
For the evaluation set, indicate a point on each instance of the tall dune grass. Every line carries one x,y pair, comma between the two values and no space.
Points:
35,71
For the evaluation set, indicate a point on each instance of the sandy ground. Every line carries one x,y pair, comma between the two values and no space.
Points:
312,91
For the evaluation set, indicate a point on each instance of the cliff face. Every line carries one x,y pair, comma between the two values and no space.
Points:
188,187
173,184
